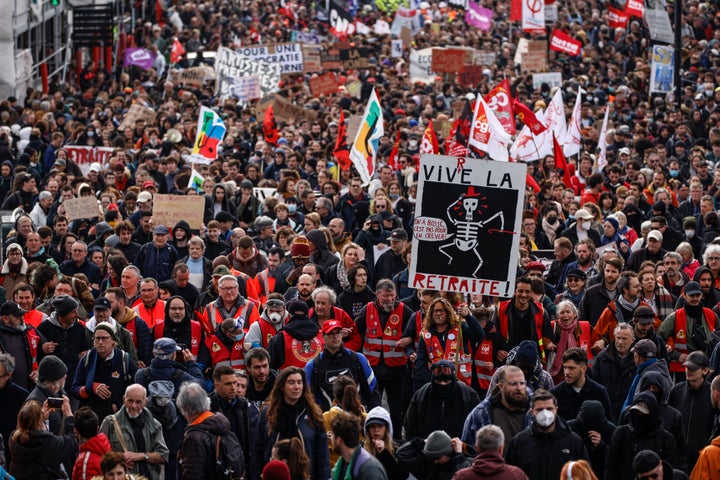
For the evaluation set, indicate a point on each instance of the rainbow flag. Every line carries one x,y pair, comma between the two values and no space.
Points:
210,132
363,151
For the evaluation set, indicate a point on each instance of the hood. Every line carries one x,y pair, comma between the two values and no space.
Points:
188,309
488,463
651,402
23,267
382,414
592,415
700,271
90,324
183,225
126,316
317,238
98,444
101,229
302,328
653,378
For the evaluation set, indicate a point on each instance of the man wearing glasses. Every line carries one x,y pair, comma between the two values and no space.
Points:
229,304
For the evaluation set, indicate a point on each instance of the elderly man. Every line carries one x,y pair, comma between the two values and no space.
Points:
230,304
134,432
324,299
196,458
489,463
79,263
156,259
103,374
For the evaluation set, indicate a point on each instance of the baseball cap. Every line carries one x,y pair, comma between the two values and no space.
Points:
95,167
144,197
644,315
539,266
165,346
221,270
624,151
148,184
641,407
329,326
399,234
655,235
645,348
12,308
577,273
101,303
583,214
692,288
696,360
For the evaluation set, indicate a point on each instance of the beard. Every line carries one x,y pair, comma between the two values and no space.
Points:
517,401
387,307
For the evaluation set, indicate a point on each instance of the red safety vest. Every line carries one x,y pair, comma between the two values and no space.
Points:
584,340
195,334
484,354
33,339
681,333
212,315
382,342
33,317
130,327
151,317
222,356
265,284
267,331
299,352
435,353
539,317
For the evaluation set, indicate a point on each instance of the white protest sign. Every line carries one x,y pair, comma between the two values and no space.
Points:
421,66
553,79
659,25
288,55
396,50
230,66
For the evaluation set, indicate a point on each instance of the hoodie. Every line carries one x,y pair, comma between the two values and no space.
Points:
180,332
181,225
299,328
591,417
709,300
490,466
71,342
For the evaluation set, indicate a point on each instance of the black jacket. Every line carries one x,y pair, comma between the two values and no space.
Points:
196,458
593,303
353,302
430,410
569,401
40,457
542,455
696,409
616,373
591,417
239,417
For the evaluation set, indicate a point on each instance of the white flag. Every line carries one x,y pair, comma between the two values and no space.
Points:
601,161
487,133
555,117
528,147
573,142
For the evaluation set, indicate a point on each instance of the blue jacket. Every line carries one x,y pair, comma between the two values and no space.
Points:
156,262
481,416
323,369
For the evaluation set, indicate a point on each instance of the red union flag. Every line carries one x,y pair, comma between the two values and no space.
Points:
617,18
562,42
500,101
634,8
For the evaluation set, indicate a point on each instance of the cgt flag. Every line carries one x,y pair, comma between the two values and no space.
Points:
363,151
564,43
500,101
430,141
528,117
487,134
341,152
210,133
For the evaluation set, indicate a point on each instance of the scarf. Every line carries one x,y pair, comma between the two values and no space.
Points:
286,426
550,230
338,468
567,340
629,306
342,275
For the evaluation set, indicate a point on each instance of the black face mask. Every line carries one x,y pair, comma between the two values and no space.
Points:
641,423
552,220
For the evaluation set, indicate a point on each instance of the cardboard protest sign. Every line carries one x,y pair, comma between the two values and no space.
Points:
659,25
230,65
312,58
447,60
246,88
81,207
535,60
470,75
168,210
331,59
467,227
325,84
282,108
194,76
355,58
421,66
135,113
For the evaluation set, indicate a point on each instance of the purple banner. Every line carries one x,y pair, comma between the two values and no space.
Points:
478,16
141,57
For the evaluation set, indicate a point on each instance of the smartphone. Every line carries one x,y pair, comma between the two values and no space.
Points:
55,402
182,346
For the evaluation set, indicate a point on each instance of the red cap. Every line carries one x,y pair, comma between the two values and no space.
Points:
148,184
330,325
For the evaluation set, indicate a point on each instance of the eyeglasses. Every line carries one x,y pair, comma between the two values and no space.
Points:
517,384
102,339
528,224
227,289
573,279
380,207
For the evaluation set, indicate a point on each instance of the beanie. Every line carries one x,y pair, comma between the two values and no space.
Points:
526,353
64,304
300,247
613,222
51,369
107,328
276,470
438,444
645,461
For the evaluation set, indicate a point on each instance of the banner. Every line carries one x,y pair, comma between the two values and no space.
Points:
553,79
487,133
246,88
635,8
564,43
616,18
468,216
325,84
139,57
661,69
363,151
420,66
83,156
478,16
659,25
500,101
230,65
307,37
447,60
288,55
210,133
168,210
533,16
342,24
355,58
407,18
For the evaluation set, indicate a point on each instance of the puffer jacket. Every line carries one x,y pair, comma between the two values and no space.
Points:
87,464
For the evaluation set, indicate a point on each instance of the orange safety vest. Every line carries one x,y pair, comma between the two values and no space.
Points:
33,339
584,340
435,353
33,317
265,284
484,354
267,331
382,342
151,317
212,316
222,356
681,333
299,352
195,334
539,317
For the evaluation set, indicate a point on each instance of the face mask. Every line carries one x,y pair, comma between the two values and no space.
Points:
545,418
586,225
90,133
552,220
412,143
162,401
393,196
674,173
274,317
689,233
571,217
239,337
292,208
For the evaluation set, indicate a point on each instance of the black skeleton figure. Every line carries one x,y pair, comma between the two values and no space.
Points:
465,215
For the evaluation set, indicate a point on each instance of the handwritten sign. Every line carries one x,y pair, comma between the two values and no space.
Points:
312,58
355,58
231,66
83,207
83,156
194,76
448,60
325,84
246,88
168,210
137,112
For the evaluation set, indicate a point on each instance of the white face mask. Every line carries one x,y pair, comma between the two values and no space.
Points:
689,233
274,317
586,225
545,418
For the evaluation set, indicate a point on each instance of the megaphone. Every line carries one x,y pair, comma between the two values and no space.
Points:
173,135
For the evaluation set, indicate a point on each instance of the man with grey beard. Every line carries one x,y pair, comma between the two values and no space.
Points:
381,324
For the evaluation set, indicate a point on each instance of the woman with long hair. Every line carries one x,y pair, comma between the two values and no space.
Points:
352,254
291,451
569,332
291,411
115,265
346,399
37,454
379,442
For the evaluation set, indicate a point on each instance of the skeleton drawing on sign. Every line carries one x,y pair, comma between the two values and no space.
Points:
465,214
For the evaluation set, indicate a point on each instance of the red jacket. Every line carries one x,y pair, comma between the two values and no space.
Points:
87,464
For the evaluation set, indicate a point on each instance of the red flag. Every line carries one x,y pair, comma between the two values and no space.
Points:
561,163
177,51
500,101
269,128
562,42
430,141
342,152
528,117
392,160
515,10
617,18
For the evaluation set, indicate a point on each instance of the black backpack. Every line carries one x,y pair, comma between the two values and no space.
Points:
229,461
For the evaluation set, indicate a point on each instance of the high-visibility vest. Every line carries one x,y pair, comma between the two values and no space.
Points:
33,317
483,355
151,316
195,334
265,284
213,317
299,352
435,353
267,331
382,342
235,357
539,317
681,333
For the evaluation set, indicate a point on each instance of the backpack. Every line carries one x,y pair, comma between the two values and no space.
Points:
229,462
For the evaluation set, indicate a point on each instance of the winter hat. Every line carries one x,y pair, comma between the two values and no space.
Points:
51,369
438,444
613,222
64,304
276,470
107,328
527,353
300,247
